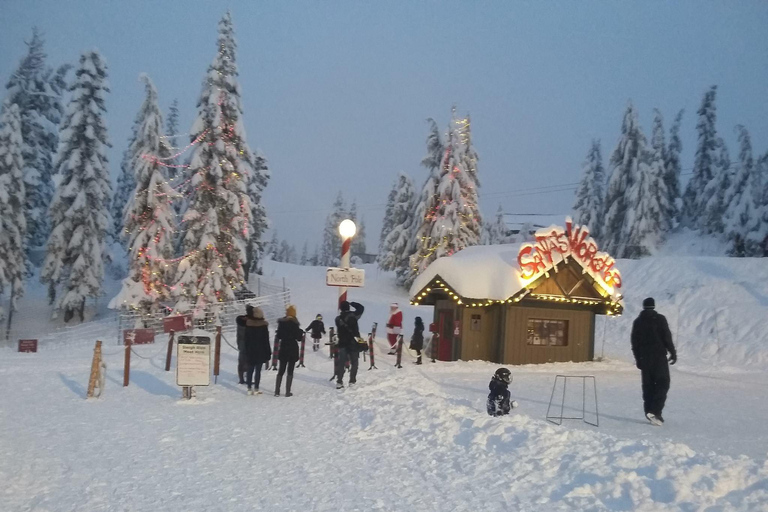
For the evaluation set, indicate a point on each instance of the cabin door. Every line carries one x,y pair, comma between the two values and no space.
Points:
445,330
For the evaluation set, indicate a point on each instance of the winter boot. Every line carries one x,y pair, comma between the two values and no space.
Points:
278,382
418,360
339,385
288,382
655,421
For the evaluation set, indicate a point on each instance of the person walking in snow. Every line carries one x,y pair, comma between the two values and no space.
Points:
394,326
651,341
317,328
240,321
417,339
499,402
256,350
347,332
289,334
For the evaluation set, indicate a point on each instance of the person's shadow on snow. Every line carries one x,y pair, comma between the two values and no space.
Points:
73,386
152,384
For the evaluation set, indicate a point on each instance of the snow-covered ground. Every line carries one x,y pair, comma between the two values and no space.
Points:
416,438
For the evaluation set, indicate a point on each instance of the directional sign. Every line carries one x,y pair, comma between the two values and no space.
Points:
27,345
179,323
138,336
350,277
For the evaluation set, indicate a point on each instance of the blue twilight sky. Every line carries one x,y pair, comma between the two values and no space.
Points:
336,93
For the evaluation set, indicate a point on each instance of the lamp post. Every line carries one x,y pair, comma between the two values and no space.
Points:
347,230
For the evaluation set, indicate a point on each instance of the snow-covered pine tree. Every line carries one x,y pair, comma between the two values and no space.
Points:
172,141
217,221
126,184
625,161
647,218
498,233
79,212
13,222
387,223
395,255
259,223
715,190
761,231
304,255
149,216
742,203
37,91
284,253
358,242
694,198
590,196
315,259
426,203
331,250
672,166
660,150
273,246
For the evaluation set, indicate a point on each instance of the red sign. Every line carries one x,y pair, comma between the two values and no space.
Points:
573,241
178,323
27,345
138,336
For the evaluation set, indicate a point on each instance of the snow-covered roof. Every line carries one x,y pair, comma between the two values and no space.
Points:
481,272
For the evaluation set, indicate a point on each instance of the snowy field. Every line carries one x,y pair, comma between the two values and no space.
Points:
417,438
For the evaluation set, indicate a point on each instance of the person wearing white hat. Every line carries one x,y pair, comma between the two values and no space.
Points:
394,326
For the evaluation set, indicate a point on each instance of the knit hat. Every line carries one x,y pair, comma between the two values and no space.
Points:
248,309
319,317
258,313
290,310
344,306
649,303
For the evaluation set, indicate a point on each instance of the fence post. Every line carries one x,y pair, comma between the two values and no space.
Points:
433,348
399,351
275,353
217,355
301,351
95,369
127,365
169,354
371,337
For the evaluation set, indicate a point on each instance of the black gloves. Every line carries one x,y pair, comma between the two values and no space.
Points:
672,358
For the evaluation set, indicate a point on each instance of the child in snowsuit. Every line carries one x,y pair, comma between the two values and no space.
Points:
499,403
318,329
417,340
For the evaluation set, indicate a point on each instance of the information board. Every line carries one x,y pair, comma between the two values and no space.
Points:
27,345
138,336
193,361
349,277
179,323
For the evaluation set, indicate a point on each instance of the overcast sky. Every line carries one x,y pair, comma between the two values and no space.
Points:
336,93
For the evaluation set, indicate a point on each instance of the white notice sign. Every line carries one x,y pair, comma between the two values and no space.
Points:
193,364
351,277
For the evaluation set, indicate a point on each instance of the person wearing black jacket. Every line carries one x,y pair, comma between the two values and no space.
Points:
347,332
318,330
651,341
417,340
255,350
242,365
289,333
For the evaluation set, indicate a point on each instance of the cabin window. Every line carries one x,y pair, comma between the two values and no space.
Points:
549,333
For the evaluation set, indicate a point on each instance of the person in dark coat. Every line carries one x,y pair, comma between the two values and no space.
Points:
241,364
317,327
499,402
289,334
651,341
256,350
417,339
347,332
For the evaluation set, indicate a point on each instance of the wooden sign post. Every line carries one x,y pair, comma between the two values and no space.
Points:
172,325
217,354
95,372
127,364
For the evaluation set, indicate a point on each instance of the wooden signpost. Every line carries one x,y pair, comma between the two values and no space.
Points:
97,376
172,325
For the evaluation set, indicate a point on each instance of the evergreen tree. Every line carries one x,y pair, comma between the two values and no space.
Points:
80,209
126,183
358,242
331,250
218,219
37,91
315,259
13,222
672,166
498,231
259,222
388,222
273,246
624,162
172,140
149,215
742,203
660,156
589,207
715,190
694,199
395,254
304,255
284,253
426,204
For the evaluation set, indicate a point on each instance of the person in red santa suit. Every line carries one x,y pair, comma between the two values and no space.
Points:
394,326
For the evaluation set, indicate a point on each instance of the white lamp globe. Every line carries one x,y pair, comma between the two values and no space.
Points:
347,228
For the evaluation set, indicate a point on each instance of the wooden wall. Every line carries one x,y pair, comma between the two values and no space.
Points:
484,343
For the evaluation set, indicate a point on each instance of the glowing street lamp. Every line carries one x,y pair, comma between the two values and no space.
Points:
347,230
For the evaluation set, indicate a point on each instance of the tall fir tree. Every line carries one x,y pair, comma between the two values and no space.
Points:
149,216
388,222
694,198
273,246
742,202
76,248
673,168
304,254
218,218
497,230
625,162
427,202
330,253
590,196
126,184
259,223
13,222
37,91
172,140
358,242
660,156
715,191
395,248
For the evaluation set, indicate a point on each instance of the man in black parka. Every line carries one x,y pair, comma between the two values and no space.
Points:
348,331
651,341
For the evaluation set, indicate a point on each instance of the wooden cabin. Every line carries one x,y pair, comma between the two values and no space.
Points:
488,305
